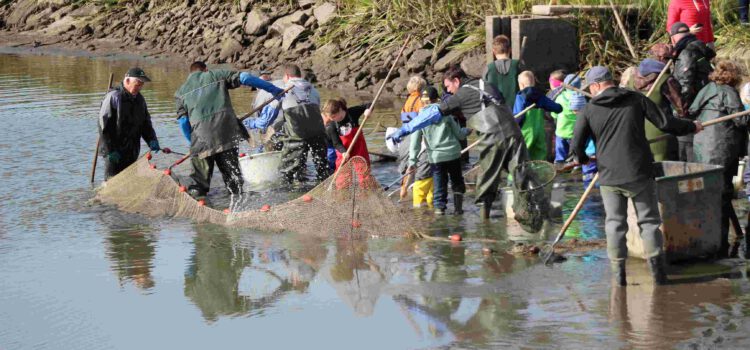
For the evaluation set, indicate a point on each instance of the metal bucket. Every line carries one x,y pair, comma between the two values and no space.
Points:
261,167
690,205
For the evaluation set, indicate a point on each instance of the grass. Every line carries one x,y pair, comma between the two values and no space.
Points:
380,25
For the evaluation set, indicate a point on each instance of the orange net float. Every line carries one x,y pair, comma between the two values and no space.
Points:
167,172
183,188
456,237
149,156
265,208
227,211
152,166
307,198
202,202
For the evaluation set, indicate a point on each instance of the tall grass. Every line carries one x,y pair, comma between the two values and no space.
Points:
380,24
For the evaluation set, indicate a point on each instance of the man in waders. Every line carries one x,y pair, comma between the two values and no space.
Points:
615,120
214,128
502,146
123,121
303,128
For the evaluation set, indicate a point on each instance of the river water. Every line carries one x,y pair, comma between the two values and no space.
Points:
75,275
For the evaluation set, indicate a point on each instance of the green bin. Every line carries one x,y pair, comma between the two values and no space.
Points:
690,206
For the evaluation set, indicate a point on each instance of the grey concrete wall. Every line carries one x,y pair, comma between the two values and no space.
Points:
551,44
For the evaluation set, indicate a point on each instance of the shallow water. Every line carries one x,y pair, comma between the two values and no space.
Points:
77,276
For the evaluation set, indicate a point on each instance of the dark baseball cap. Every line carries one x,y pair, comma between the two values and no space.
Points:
138,74
678,28
597,74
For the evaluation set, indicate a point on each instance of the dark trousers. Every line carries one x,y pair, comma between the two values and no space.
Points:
503,155
743,10
229,166
294,158
686,151
441,174
127,158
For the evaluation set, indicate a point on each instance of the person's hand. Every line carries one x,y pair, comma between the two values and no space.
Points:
466,131
154,146
696,28
395,137
698,126
368,113
410,169
114,157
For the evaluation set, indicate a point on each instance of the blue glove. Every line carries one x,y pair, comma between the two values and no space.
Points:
114,157
187,130
466,131
154,145
396,136
248,79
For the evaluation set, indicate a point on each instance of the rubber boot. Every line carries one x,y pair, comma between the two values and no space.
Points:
657,265
618,273
458,203
484,210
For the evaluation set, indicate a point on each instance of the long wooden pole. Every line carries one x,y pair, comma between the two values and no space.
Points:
345,157
99,136
661,74
622,29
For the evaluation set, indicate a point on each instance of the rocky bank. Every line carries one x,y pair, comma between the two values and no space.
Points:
249,34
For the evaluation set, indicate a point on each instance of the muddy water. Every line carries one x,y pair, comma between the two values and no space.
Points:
79,276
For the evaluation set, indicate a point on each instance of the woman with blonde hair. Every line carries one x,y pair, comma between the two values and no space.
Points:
722,144
411,109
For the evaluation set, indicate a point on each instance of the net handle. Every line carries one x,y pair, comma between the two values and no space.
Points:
99,137
256,109
345,157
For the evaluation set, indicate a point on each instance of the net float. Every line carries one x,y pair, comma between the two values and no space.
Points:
183,188
455,237
227,211
356,223
307,198
167,172
149,156
242,155
202,202
153,166
265,208
166,150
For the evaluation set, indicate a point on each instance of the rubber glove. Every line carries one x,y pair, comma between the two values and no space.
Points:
466,131
187,130
114,157
154,145
396,136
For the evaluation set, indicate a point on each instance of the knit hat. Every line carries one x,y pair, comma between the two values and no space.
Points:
650,66
573,80
678,28
577,101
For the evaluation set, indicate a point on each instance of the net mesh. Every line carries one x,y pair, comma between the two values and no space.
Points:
352,204
532,190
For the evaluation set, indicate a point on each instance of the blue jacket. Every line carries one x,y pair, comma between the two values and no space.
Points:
529,96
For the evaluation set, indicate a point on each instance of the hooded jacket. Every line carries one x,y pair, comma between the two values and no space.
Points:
692,12
615,120
301,111
123,121
692,67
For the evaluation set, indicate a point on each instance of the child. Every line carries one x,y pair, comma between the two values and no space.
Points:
441,140
532,122
721,144
576,103
556,80
566,119
503,72
341,125
422,192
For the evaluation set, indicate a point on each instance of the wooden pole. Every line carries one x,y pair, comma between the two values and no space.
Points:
99,136
622,29
661,74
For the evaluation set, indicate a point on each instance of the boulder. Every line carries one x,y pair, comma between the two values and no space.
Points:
256,23
290,35
418,59
306,4
446,61
21,11
87,10
324,13
282,24
245,5
322,57
473,64
230,48
272,42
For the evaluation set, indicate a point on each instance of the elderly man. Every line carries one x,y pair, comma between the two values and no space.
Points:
214,128
123,121
614,119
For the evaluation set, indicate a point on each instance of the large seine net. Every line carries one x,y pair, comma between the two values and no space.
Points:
352,204
532,190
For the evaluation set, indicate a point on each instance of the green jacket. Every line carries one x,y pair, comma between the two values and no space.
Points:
566,120
503,74
205,98
721,144
441,139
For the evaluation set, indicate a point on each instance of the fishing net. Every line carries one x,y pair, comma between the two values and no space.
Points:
352,204
532,190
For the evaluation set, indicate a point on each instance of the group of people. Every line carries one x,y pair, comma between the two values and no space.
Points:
605,130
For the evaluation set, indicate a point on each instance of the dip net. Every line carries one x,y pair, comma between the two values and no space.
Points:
532,191
353,204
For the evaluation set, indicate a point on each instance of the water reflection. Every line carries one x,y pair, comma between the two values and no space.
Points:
356,276
132,254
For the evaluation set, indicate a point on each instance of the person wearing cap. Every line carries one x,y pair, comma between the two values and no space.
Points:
124,120
441,143
615,119
215,130
696,14
691,69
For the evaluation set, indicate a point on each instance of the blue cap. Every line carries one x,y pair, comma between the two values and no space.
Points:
597,74
572,80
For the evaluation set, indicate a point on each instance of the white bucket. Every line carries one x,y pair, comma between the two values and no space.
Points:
261,168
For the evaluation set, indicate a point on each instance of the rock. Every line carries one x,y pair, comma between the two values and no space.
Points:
245,5
86,30
418,59
324,13
473,64
321,58
290,36
306,4
21,11
87,10
272,42
446,61
230,48
282,24
298,17
256,23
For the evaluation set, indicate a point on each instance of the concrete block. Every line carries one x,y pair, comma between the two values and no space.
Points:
551,44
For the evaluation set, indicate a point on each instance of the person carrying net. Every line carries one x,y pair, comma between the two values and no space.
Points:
214,128
341,125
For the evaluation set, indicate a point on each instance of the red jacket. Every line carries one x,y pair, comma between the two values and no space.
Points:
691,12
